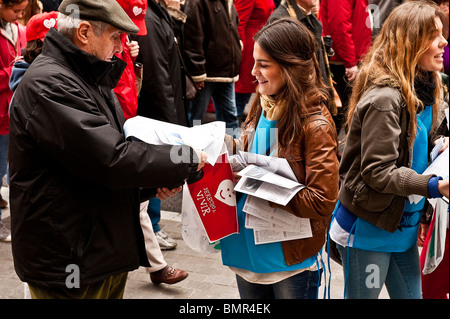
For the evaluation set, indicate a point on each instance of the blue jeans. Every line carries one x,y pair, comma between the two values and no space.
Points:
304,285
154,211
366,271
241,101
224,103
4,142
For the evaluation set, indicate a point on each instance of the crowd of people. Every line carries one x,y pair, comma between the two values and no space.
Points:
73,71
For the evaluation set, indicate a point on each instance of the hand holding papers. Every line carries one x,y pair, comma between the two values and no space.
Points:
269,178
439,167
210,198
264,184
207,138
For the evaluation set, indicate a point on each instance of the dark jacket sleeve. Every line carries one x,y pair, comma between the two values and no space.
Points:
157,98
68,125
193,41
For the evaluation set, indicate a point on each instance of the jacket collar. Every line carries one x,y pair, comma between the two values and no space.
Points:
87,66
159,10
313,24
17,72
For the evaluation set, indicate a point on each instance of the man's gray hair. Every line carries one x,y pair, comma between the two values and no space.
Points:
68,24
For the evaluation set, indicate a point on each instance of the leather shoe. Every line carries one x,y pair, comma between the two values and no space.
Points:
168,275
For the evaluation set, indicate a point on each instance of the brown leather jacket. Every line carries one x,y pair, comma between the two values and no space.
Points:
313,158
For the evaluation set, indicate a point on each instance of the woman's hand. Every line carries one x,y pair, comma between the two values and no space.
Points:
423,230
236,177
443,187
134,48
444,144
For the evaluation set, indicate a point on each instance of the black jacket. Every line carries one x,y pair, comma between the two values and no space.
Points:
162,94
314,25
75,180
211,41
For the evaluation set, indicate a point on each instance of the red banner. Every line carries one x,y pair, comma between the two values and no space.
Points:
215,200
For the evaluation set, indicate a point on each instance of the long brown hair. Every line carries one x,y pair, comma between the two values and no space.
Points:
291,45
394,58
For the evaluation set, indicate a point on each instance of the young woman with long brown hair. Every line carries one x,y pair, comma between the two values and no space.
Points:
288,119
392,112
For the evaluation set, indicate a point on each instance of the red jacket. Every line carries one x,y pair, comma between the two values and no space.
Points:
125,89
349,25
253,15
8,54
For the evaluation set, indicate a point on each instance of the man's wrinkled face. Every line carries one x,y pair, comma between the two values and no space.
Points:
106,45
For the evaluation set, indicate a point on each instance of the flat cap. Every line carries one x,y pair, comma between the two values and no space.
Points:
108,11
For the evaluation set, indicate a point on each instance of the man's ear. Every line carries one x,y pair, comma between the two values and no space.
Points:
82,32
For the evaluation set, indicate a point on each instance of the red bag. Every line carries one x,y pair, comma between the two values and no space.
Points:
215,199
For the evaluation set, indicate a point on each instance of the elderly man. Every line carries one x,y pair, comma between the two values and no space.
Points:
76,182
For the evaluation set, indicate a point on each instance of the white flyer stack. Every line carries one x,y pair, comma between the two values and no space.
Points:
270,179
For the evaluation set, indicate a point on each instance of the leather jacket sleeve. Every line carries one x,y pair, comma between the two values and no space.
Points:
316,165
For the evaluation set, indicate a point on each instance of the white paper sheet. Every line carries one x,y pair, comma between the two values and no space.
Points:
268,178
267,191
208,138
277,165
262,174
273,224
439,167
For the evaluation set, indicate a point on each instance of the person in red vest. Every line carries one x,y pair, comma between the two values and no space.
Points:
349,24
253,15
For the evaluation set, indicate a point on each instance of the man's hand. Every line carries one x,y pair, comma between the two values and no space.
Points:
200,85
165,193
202,157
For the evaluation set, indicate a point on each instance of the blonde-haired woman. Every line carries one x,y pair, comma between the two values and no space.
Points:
392,111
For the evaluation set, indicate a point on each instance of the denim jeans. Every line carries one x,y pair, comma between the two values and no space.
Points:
224,103
154,211
366,271
304,285
241,101
4,142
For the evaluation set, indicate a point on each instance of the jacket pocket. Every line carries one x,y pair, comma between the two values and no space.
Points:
294,156
371,200
84,239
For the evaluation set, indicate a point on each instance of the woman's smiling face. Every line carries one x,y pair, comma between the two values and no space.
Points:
432,59
267,72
